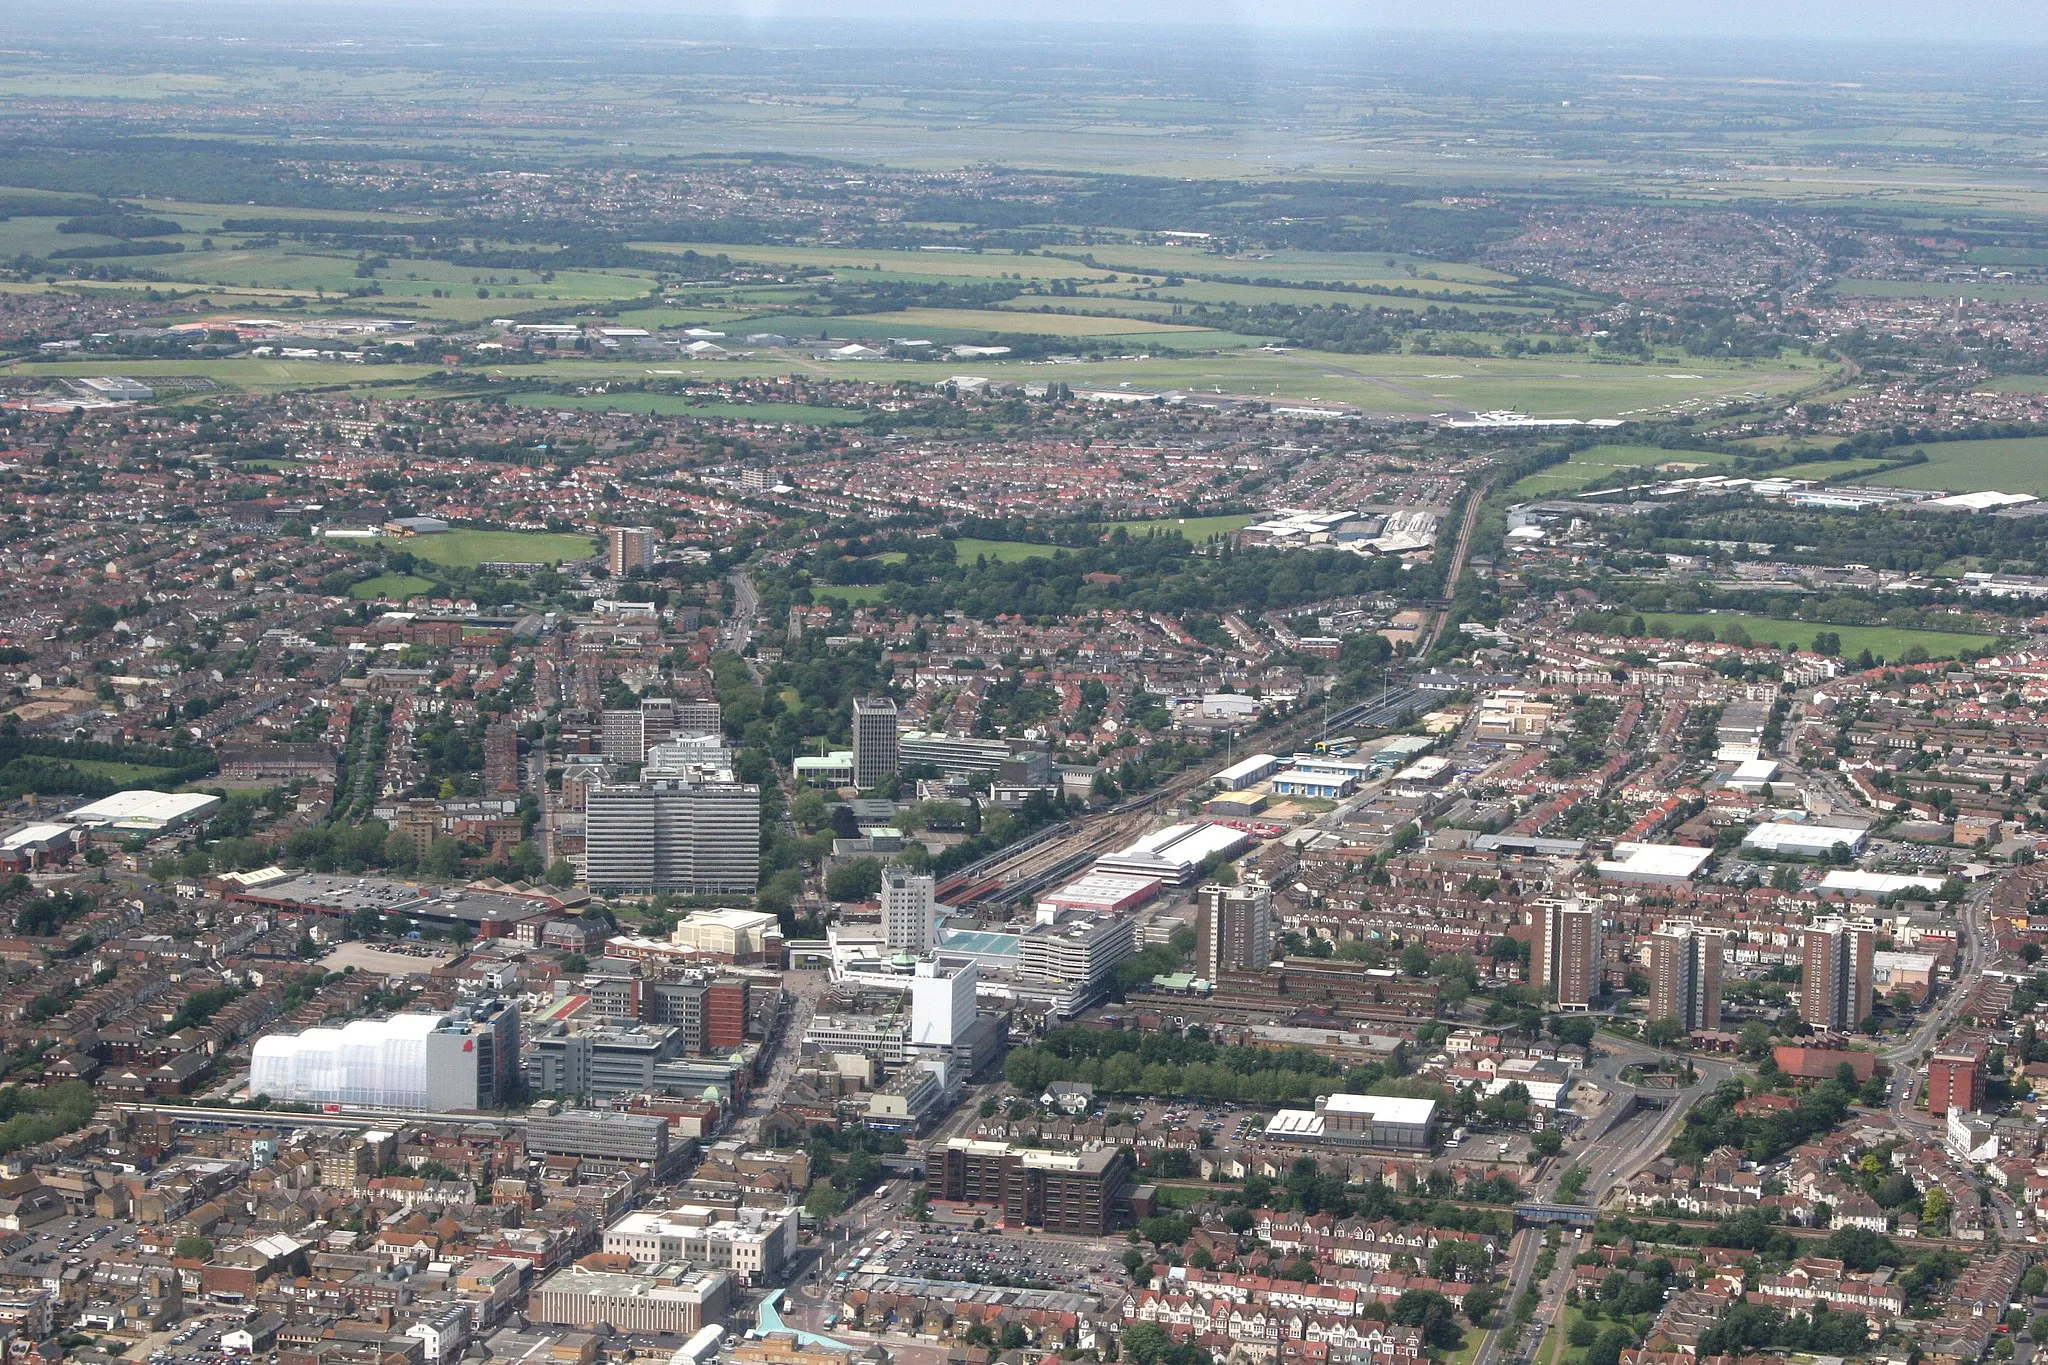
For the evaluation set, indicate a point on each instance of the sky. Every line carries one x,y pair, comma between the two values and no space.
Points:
2008,22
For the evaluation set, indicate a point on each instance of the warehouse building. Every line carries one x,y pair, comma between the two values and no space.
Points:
1382,1122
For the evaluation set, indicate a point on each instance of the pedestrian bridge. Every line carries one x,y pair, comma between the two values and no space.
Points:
1577,1214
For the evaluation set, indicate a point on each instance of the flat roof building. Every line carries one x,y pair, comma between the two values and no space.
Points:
145,812
675,1299
1788,837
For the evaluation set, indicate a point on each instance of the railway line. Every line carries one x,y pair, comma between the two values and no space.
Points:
1060,851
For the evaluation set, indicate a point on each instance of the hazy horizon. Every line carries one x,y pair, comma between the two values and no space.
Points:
1966,22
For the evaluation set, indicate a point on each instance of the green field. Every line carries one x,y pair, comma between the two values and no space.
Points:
1393,385
1886,642
1195,529
967,549
1597,462
128,774
853,594
1991,291
1830,471
2013,465
394,585
682,405
465,549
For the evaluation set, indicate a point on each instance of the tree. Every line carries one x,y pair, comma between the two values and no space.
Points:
1479,1304
1934,1209
1754,1039
575,964
824,1201
192,1248
1549,1142
1664,1032
1145,1343
858,880
561,872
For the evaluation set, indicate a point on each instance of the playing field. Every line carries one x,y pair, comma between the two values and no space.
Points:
1884,642
2013,465
465,549
1195,529
397,586
967,549
853,594
1597,462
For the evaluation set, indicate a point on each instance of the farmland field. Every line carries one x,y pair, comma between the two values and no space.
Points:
465,549
1885,642
1597,462
2012,465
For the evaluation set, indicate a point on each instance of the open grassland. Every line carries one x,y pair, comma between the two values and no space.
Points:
465,549
1885,642
1828,471
1991,291
2014,465
1194,529
129,774
1407,386
397,586
682,405
853,594
1597,462
967,549
1018,320
887,264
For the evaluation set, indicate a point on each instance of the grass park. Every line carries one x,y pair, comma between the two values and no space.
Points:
1889,643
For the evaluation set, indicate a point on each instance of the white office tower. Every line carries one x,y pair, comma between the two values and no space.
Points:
704,839
876,754
909,912
941,1004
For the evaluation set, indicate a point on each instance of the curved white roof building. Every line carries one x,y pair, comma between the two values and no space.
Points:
433,1062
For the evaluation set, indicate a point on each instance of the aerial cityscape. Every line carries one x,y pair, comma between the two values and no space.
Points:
773,685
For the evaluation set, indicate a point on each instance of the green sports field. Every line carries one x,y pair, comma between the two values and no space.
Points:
1885,642
465,549
967,549
1194,529
398,586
